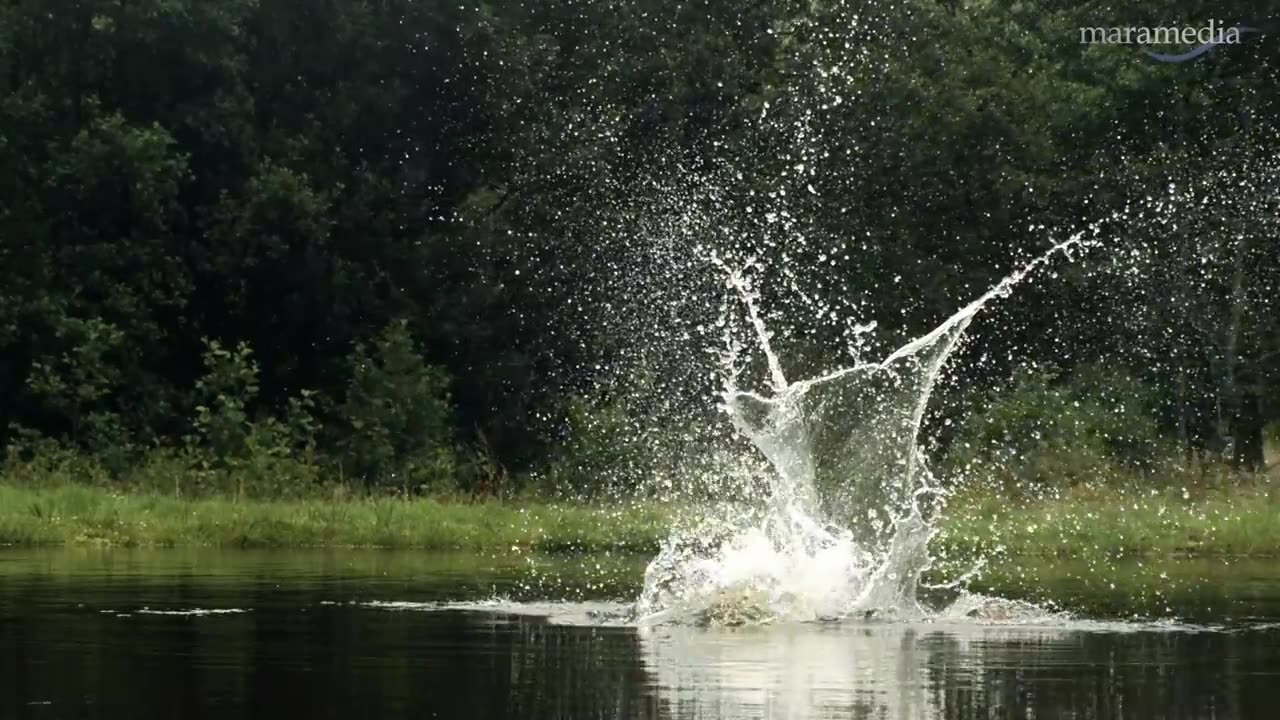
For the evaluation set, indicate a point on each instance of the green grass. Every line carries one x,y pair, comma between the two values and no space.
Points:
1230,520
1080,522
81,515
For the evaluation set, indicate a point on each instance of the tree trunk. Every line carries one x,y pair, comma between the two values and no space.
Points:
1243,400
1184,434
1247,432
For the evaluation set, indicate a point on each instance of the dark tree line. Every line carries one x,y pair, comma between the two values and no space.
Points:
370,219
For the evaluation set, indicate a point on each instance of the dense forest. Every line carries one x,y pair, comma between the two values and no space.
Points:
396,243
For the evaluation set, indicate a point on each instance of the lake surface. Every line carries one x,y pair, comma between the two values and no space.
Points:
208,634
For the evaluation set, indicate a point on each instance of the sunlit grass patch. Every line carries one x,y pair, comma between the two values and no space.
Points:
1117,520
1094,521
85,515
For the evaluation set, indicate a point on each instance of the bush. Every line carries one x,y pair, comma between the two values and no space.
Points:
606,451
235,453
1051,430
33,460
229,385
398,417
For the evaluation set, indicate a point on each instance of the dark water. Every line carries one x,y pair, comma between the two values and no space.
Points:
353,635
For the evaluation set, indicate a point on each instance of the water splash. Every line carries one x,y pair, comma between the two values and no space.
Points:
851,503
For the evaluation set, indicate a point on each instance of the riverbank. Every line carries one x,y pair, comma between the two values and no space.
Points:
78,515
1095,522
1239,519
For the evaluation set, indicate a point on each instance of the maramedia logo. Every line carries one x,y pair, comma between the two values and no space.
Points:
1205,38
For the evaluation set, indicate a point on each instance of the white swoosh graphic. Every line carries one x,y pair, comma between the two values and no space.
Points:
1192,54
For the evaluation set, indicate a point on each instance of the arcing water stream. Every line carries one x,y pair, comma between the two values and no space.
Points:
842,446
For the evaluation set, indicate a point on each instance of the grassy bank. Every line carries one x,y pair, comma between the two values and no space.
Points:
78,515
1080,522
1236,520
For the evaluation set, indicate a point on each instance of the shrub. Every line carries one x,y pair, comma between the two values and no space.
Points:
33,460
398,417
606,451
229,385
266,457
1050,430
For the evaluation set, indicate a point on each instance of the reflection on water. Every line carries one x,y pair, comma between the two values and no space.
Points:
910,672
378,640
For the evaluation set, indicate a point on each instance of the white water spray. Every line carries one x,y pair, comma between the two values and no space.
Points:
851,503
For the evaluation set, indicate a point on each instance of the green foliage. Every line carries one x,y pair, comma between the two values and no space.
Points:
1049,431
609,452
114,167
31,459
71,380
268,236
265,457
298,176
602,453
229,386
398,417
